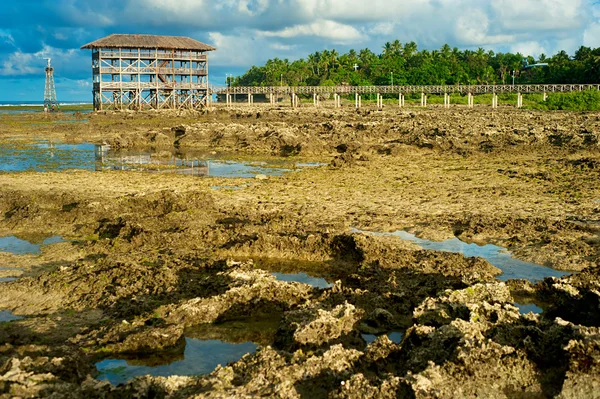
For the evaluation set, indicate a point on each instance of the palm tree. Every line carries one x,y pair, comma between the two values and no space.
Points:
446,51
410,49
388,50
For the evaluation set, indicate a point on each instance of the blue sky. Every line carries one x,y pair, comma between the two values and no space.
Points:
248,32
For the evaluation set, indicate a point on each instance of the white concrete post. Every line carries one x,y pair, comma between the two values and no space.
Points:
359,101
356,100
545,96
519,100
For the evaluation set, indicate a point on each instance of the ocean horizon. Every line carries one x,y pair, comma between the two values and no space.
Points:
39,103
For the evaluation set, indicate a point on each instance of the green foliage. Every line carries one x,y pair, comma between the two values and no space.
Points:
588,100
404,64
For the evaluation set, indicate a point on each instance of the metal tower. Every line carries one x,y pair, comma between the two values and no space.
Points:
50,103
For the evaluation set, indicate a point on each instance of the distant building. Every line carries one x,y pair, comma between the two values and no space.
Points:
149,72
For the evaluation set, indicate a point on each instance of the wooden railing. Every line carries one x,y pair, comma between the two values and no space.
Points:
149,71
463,89
144,55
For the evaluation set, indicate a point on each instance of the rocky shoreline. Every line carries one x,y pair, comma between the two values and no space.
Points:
148,258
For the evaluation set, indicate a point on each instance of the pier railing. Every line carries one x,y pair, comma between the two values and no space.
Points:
437,89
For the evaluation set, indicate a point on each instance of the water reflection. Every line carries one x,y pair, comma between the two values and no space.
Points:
303,278
512,268
18,246
200,357
48,156
525,308
394,336
6,315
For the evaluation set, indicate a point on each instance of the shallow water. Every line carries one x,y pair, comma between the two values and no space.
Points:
303,278
7,279
6,315
200,357
394,336
17,246
50,157
512,268
525,308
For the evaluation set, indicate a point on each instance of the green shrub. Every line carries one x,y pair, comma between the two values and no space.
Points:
588,100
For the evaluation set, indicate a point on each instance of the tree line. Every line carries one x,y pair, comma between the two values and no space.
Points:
404,64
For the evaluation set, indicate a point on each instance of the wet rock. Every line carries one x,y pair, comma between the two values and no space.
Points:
249,291
473,303
314,327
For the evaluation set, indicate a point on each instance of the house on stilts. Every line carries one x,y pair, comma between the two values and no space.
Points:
149,72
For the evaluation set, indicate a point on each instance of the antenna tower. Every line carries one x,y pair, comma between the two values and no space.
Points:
50,102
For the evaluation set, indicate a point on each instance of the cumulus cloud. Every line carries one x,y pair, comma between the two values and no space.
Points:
337,32
248,32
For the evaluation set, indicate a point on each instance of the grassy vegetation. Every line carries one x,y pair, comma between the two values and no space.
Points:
588,100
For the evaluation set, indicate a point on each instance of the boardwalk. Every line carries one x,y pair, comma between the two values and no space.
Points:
344,90
272,92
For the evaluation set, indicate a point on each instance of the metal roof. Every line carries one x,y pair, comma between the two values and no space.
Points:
149,42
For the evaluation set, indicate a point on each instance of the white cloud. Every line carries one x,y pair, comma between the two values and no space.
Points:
234,49
383,28
533,15
532,48
19,63
591,36
337,32
473,26
281,47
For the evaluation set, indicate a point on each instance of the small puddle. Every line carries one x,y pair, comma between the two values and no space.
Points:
394,336
18,246
200,357
512,268
7,315
303,278
7,279
206,346
525,308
